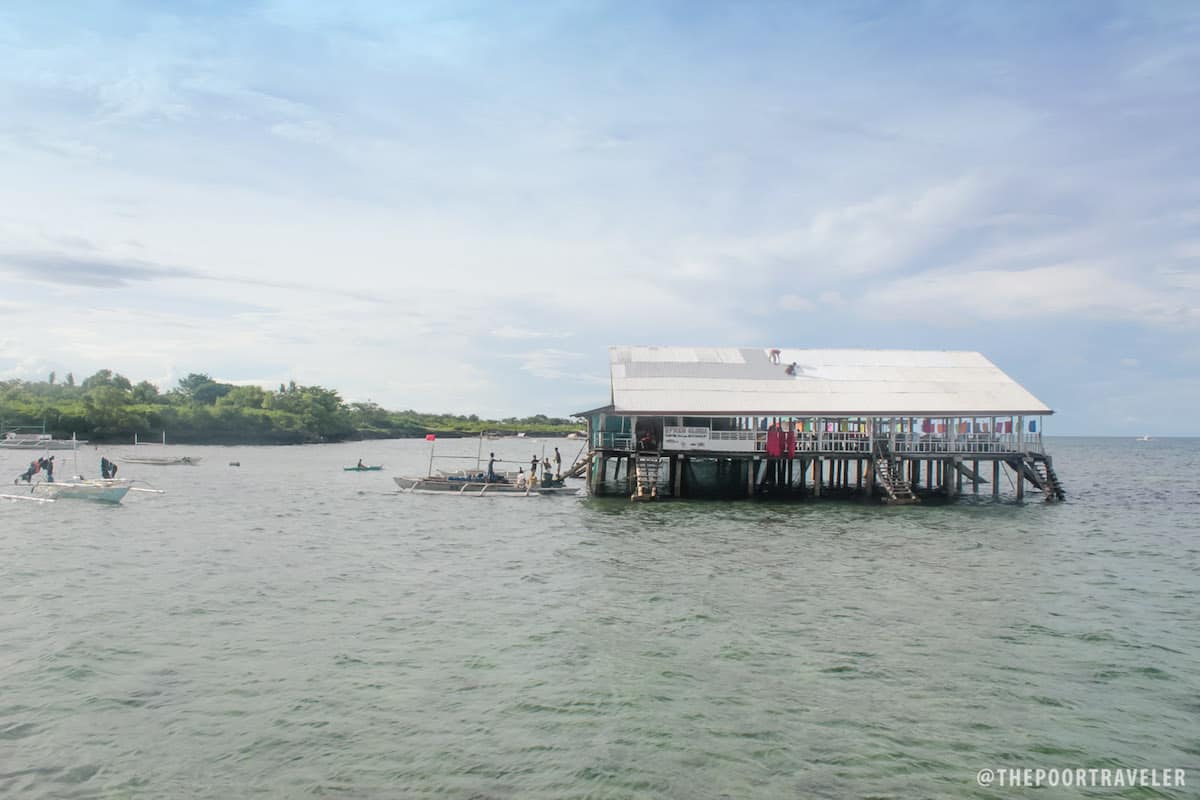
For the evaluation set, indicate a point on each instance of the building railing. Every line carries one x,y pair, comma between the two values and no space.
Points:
968,443
922,444
605,440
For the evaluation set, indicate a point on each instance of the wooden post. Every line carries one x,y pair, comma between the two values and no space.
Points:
975,467
818,477
858,476
995,477
750,477
1020,483
678,462
958,478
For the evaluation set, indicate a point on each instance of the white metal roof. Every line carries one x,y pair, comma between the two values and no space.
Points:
744,381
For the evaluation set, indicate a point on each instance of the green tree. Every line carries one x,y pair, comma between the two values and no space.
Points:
145,392
52,377
70,379
244,397
194,380
102,377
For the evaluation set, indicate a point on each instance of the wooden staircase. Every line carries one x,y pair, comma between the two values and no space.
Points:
579,468
646,469
896,489
1039,470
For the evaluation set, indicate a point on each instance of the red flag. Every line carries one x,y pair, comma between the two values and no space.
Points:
429,437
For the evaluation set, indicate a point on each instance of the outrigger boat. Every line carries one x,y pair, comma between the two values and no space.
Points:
478,488
161,461
475,483
363,468
33,439
110,490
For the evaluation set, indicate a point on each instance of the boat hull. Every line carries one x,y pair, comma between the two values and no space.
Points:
361,469
99,491
163,461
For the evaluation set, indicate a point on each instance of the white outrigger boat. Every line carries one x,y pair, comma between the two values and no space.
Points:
18,440
161,461
477,488
111,490
475,483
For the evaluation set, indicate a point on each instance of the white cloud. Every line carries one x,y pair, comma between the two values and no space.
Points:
1042,293
794,302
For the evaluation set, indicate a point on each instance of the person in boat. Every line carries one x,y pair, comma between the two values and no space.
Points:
360,464
104,465
522,481
790,369
491,473
49,468
28,474
547,474
533,468
557,465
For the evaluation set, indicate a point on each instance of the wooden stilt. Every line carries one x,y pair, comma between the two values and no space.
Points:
995,478
750,470
975,480
817,476
1020,484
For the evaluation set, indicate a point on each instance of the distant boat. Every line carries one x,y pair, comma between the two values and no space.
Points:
160,461
1144,439
363,468
18,440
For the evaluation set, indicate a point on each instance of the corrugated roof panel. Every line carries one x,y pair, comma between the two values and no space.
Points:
746,381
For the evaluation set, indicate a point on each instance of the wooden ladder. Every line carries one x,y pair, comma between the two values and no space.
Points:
647,466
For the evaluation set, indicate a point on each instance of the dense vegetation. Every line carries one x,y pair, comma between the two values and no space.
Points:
108,407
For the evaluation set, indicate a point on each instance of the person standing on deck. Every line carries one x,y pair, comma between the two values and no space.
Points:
533,468
557,465
522,483
491,473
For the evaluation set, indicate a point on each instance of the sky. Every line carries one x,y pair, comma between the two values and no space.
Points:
459,206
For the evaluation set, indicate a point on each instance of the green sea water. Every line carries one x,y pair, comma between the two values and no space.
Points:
288,629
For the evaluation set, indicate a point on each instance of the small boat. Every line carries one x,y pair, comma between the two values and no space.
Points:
17,440
363,468
159,461
110,490
1144,439
162,461
476,488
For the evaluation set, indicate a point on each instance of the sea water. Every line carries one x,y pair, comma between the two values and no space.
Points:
283,628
